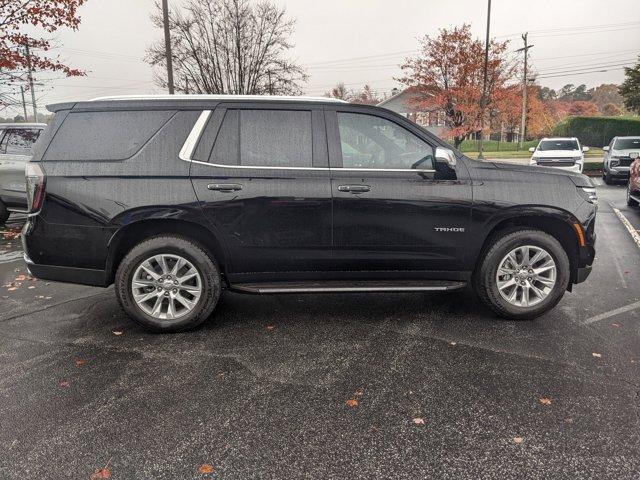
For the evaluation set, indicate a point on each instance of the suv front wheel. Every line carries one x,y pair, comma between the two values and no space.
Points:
168,284
523,275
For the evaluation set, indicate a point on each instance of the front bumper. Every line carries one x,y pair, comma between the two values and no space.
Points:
578,167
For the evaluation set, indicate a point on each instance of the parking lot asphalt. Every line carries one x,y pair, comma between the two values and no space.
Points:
326,386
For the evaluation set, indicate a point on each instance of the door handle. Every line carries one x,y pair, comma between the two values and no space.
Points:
224,187
354,188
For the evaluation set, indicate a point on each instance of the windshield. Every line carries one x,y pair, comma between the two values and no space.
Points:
546,145
627,144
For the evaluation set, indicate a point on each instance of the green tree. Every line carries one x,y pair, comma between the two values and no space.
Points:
630,88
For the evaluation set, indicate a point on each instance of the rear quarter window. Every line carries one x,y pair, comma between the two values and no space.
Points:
105,136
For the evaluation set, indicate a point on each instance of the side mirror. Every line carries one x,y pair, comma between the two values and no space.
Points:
532,149
446,155
634,155
606,149
585,149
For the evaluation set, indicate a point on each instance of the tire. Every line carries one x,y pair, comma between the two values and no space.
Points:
630,201
4,214
607,179
207,279
486,281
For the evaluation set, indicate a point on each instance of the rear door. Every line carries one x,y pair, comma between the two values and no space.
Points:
396,209
261,176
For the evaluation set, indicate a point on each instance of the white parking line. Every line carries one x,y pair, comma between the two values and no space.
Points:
611,313
627,224
597,181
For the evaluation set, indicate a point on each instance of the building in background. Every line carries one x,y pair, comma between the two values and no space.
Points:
405,103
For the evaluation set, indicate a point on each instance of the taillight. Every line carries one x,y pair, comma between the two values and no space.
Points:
36,181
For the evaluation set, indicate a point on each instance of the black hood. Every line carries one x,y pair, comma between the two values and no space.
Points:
579,179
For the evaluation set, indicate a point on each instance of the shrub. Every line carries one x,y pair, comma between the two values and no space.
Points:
597,131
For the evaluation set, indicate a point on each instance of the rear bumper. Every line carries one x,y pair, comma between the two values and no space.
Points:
82,276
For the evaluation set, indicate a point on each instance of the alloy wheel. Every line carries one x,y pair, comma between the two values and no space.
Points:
166,286
526,276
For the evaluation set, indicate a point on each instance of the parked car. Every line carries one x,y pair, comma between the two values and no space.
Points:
564,153
633,187
616,160
174,199
16,142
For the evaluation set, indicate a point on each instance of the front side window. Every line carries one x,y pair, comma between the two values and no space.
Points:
547,145
19,141
376,143
275,138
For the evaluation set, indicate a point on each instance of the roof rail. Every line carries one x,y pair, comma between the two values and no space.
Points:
274,98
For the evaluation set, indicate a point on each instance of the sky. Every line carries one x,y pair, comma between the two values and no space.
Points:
360,41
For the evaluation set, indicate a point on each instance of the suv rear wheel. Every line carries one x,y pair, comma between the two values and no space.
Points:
630,201
168,284
4,214
523,275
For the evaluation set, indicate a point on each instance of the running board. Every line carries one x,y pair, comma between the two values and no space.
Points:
346,286
635,197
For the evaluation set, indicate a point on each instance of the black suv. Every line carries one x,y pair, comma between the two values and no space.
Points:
175,198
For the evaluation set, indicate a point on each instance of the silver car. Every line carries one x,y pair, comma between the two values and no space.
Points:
616,160
16,142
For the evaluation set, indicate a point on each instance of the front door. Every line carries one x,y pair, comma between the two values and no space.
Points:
396,209
261,176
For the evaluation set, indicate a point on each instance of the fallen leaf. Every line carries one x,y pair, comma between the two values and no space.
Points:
117,332
359,392
80,362
418,421
21,278
206,469
64,383
12,289
568,420
31,287
352,402
518,440
616,325
102,473
270,327
453,344
545,401
597,355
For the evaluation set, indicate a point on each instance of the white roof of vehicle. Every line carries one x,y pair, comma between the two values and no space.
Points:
558,138
273,98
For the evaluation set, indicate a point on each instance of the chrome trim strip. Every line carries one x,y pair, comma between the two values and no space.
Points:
192,140
186,152
268,290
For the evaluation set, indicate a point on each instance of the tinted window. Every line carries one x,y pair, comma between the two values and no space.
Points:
225,149
547,145
373,142
19,141
628,144
275,138
105,135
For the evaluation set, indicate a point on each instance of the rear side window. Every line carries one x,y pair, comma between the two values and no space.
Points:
225,149
105,136
19,141
275,138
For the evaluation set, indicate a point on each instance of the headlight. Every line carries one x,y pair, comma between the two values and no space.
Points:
589,194
577,159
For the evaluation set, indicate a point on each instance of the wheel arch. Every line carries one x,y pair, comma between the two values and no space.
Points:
555,222
133,233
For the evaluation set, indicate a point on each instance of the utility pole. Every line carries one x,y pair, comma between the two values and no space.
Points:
483,98
523,119
24,103
33,91
167,45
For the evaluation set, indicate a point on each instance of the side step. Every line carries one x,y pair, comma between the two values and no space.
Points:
345,286
635,197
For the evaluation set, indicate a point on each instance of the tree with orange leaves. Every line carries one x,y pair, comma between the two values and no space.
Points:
17,17
448,75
